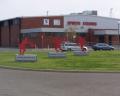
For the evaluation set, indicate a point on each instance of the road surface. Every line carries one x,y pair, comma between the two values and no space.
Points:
32,83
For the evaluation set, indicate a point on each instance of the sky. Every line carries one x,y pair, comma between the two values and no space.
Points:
19,8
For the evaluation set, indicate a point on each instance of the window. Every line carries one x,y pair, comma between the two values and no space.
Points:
56,22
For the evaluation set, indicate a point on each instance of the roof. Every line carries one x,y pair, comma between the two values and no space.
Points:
65,16
9,19
92,16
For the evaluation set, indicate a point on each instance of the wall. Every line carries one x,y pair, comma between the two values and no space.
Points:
88,22
14,29
38,22
5,40
10,30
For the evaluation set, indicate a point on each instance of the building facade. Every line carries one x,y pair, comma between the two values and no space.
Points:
42,30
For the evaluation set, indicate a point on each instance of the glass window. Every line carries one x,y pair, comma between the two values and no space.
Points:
57,22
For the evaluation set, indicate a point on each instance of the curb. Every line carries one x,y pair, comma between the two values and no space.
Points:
57,71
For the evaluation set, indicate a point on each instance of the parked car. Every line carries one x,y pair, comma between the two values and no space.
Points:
102,46
69,46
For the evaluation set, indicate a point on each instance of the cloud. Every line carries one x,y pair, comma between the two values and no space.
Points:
13,8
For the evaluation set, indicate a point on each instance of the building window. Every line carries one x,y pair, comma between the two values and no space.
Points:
46,22
57,22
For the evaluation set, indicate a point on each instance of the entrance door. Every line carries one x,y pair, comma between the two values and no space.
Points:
101,39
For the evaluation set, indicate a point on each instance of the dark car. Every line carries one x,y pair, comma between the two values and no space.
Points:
102,46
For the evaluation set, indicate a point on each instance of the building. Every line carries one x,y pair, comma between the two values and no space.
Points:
43,29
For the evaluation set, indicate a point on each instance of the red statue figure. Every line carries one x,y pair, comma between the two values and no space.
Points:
22,46
57,41
81,41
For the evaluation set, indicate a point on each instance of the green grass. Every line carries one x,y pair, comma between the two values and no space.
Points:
95,61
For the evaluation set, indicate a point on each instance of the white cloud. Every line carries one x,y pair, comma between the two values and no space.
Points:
13,8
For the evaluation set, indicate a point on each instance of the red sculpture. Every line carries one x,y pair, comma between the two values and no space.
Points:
57,42
81,41
22,46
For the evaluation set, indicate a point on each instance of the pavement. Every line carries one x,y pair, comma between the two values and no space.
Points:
35,83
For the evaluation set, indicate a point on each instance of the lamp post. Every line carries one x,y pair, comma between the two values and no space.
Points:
118,34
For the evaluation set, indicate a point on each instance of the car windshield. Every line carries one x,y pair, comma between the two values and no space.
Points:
102,44
71,44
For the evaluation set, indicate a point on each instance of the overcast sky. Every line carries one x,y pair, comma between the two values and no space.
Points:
18,8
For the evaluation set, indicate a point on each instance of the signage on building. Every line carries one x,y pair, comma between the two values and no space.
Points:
73,23
84,23
46,22
89,23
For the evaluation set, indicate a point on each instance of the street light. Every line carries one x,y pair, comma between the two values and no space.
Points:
118,34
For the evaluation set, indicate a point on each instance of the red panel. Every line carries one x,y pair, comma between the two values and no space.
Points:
73,23
38,22
90,23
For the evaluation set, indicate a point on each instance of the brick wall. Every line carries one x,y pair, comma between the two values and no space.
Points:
106,39
10,31
5,37
115,39
14,35
38,22
91,38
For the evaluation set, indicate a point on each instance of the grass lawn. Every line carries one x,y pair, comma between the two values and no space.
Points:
95,61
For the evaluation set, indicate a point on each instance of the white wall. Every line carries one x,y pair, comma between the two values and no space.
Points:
102,22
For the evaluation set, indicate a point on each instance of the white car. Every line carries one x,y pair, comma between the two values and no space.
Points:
71,46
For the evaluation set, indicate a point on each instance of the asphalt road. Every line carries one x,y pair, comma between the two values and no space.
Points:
31,83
